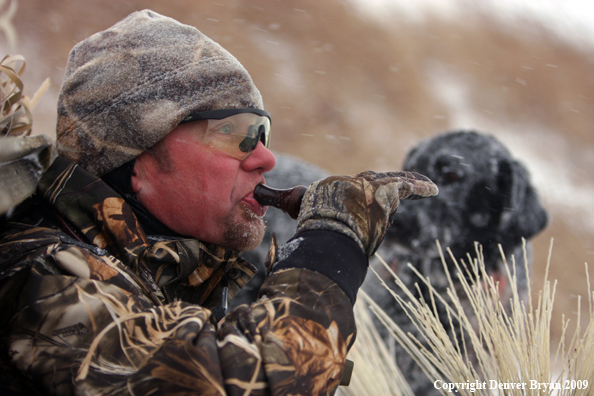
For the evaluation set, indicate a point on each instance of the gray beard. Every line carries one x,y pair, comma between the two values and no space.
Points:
246,234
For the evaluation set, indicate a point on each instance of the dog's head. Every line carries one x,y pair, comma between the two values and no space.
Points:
485,196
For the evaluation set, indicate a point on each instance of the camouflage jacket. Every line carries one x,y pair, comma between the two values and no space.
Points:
91,305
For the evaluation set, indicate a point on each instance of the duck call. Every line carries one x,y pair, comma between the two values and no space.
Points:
287,200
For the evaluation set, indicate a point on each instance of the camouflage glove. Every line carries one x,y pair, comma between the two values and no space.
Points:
360,206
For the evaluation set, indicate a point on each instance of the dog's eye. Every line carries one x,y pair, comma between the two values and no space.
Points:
452,176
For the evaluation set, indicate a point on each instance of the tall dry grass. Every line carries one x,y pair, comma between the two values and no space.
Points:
510,345
16,118
23,158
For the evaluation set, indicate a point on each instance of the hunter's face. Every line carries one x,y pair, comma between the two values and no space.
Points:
202,192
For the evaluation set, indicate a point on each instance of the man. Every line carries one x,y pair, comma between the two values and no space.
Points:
115,275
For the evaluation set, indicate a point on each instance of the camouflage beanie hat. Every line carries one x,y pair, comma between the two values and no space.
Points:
127,87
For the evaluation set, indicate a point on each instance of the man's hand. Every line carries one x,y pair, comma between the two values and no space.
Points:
360,206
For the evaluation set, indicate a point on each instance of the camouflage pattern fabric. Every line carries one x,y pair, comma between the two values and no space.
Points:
360,206
103,309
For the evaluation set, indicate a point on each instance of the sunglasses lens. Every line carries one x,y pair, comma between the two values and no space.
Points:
250,142
238,135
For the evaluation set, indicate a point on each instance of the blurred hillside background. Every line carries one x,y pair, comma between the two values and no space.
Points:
353,85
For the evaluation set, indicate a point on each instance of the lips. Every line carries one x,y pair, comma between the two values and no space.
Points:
253,205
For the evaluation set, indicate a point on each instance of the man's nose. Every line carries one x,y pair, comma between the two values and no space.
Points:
261,159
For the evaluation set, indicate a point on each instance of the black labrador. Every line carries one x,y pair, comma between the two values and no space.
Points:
485,197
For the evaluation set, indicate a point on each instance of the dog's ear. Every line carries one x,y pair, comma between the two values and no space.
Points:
522,213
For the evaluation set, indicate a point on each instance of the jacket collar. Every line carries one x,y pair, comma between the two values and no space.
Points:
173,268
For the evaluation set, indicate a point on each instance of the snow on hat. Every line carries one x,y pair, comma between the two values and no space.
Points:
127,87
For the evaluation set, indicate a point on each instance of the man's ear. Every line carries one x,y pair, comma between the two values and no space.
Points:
136,179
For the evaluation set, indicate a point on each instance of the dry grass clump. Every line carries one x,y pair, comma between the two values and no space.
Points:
510,345
15,115
23,158
16,118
